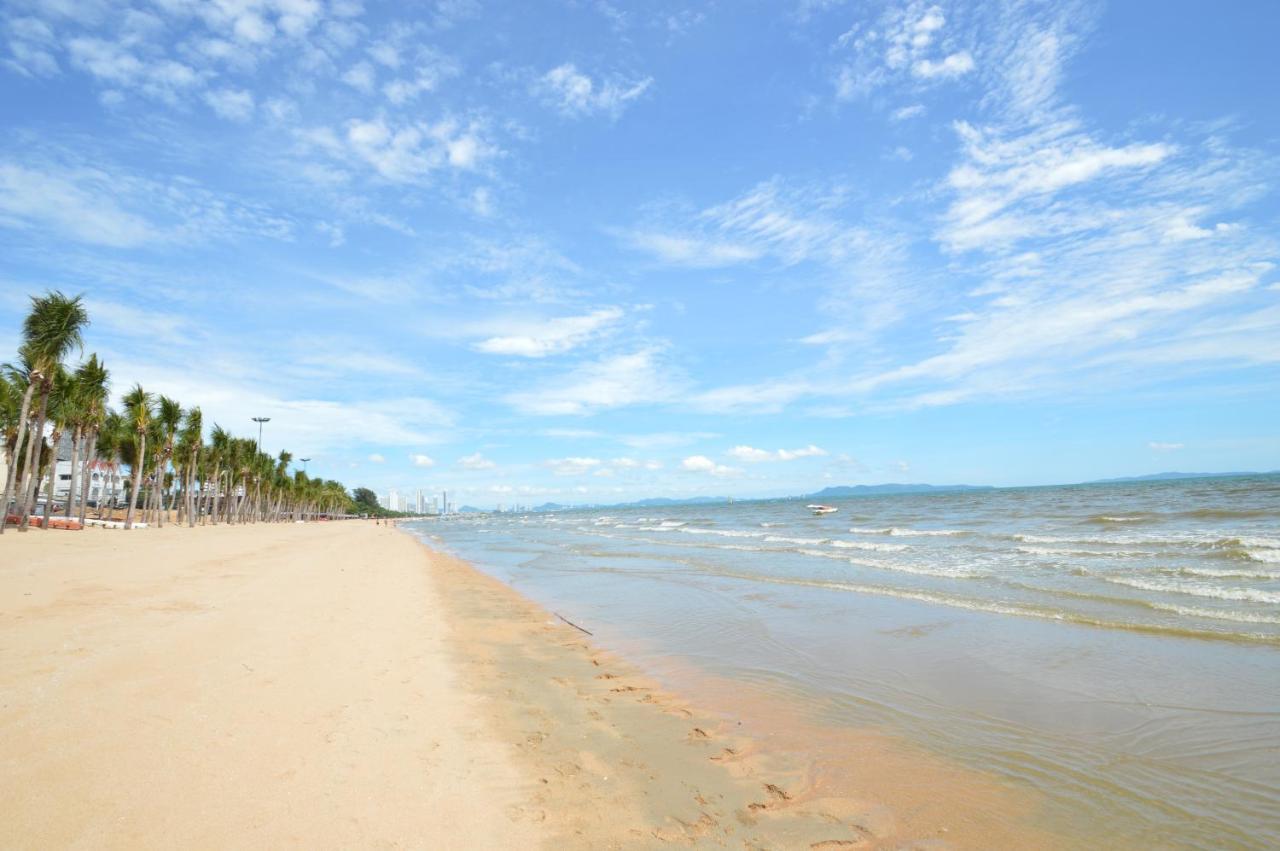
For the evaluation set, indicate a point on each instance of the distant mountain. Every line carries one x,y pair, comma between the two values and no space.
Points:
1164,477
892,488
471,509
552,506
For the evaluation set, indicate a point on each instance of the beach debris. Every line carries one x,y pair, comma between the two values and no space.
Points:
572,624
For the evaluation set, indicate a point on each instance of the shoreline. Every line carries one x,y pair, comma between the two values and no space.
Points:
342,685
701,775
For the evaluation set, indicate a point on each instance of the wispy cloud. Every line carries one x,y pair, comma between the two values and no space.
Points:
703,464
103,204
911,41
552,336
475,461
751,455
616,381
575,94
574,466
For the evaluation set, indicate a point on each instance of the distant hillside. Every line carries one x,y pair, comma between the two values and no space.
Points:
1164,477
892,488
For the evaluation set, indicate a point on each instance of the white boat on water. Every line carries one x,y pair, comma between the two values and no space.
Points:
822,509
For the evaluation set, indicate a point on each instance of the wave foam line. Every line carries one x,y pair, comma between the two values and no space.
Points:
1196,589
869,545
1016,611
895,531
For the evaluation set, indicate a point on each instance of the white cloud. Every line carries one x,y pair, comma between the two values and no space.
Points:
703,464
72,202
420,460
475,461
1159,446
552,336
360,76
754,456
377,458
908,43
572,466
576,94
386,54
612,382
686,251
952,66
409,152
664,439
95,203
231,104
906,113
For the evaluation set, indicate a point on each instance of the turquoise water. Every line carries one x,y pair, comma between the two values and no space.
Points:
1115,647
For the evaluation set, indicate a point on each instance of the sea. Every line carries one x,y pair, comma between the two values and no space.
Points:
1113,647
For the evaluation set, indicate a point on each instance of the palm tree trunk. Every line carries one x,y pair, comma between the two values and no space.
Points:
217,492
137,479
191,481
160,492
11,479
31,475
53,480
75,463
85,476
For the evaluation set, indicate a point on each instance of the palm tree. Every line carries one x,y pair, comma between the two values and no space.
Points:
168,418
92,390
22,374
137,406
219,449
10,406
189,444
50,331
111,439
62,410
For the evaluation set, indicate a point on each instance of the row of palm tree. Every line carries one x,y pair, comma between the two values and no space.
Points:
225,479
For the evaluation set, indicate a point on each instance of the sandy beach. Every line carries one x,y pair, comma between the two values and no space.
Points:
340,685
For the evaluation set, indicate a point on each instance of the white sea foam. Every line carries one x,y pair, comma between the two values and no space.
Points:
1258,541
1269,556
870,545
1218,614
896,531
781,539
1228,573
1067,551
1196,589
897,566
727,533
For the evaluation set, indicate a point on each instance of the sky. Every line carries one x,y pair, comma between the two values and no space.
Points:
587,251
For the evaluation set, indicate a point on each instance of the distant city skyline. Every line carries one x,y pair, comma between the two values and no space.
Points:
598,252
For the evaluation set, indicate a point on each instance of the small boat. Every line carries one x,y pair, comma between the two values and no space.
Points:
822,509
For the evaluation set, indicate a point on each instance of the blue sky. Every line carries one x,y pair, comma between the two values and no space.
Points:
588,251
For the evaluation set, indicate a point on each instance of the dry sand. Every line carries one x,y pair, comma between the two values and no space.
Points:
341,686
263,686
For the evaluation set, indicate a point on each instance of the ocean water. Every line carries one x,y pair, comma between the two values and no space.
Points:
1114,647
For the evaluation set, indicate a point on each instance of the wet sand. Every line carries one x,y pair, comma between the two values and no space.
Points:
340,685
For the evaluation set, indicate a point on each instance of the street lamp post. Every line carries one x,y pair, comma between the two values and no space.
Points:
260,421
304,465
